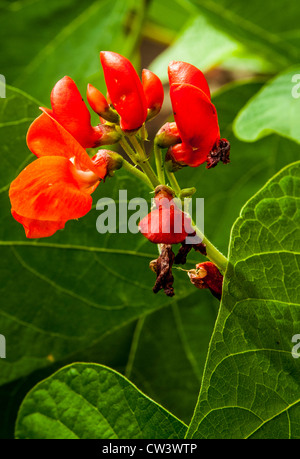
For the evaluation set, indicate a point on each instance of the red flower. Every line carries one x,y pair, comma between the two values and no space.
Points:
69,110
166,224
131,98
195,116
125,90
57,186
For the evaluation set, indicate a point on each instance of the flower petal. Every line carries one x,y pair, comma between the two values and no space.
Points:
153,89
46,137
182,72
125,90
184,154
195,116
38,228
49,189
70,110
166,225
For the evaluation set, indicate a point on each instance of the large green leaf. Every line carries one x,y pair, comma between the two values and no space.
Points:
26,27
89,401
250,387
111,350
268,30
160,13
162,354
275,108
51,40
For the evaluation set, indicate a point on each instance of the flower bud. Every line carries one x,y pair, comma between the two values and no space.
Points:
109,135
167,136
196,119
100,105
162,193
154,92
113,161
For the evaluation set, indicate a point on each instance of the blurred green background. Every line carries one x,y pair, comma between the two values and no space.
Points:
81,296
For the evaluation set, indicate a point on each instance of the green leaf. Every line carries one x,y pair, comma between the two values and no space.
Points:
49,41
27,27
250,387
268,33
111,350
160,13
77,401
275,108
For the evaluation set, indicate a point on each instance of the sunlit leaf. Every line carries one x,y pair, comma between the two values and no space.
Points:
250,387
275,108
89,401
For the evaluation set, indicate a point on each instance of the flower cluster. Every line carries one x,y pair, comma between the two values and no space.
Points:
194,137
57,186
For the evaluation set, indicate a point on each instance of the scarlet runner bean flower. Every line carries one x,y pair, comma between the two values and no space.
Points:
166,224
125,90
57,186
196,118
135,101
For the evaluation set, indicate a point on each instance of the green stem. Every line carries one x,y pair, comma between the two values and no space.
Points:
159,164
137,173
138,147
212,252
144,133
173,182
143,162
128,150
